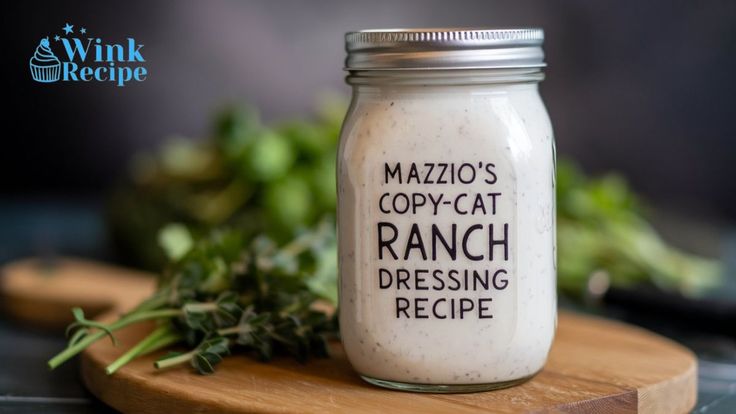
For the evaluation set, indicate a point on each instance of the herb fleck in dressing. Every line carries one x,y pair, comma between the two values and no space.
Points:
446,211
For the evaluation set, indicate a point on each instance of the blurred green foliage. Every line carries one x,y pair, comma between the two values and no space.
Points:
601,228
271,180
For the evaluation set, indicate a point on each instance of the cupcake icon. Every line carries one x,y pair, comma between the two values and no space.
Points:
45,67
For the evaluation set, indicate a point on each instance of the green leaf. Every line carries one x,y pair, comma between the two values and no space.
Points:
216,345
81,321
175,240
269,157
203,364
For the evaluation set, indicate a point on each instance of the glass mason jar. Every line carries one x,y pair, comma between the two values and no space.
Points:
446,209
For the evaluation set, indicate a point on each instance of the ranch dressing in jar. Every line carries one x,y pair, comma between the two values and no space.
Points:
446,209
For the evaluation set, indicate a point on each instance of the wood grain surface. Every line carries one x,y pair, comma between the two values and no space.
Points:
595,365
43,292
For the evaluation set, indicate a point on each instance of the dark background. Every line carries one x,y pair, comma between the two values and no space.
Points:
645,88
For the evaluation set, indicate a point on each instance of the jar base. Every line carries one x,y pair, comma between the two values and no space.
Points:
444,389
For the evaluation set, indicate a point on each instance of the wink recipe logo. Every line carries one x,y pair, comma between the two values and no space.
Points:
87,59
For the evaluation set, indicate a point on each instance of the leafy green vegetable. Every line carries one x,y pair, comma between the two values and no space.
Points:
600,228
229,293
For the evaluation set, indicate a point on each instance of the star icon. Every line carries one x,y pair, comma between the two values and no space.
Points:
83,30
57,38
68,28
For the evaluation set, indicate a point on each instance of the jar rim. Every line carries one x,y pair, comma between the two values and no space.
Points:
444,48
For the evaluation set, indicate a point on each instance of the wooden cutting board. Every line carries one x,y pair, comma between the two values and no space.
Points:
595,365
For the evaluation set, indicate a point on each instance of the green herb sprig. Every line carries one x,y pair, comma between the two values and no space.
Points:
224,293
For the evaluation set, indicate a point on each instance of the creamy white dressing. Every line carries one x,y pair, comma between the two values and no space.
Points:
446,233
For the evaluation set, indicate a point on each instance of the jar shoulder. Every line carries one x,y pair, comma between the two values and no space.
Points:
445,125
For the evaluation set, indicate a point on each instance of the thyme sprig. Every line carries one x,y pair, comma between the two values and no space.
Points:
223,293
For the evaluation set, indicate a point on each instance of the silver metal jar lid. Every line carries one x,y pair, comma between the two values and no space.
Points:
452,48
